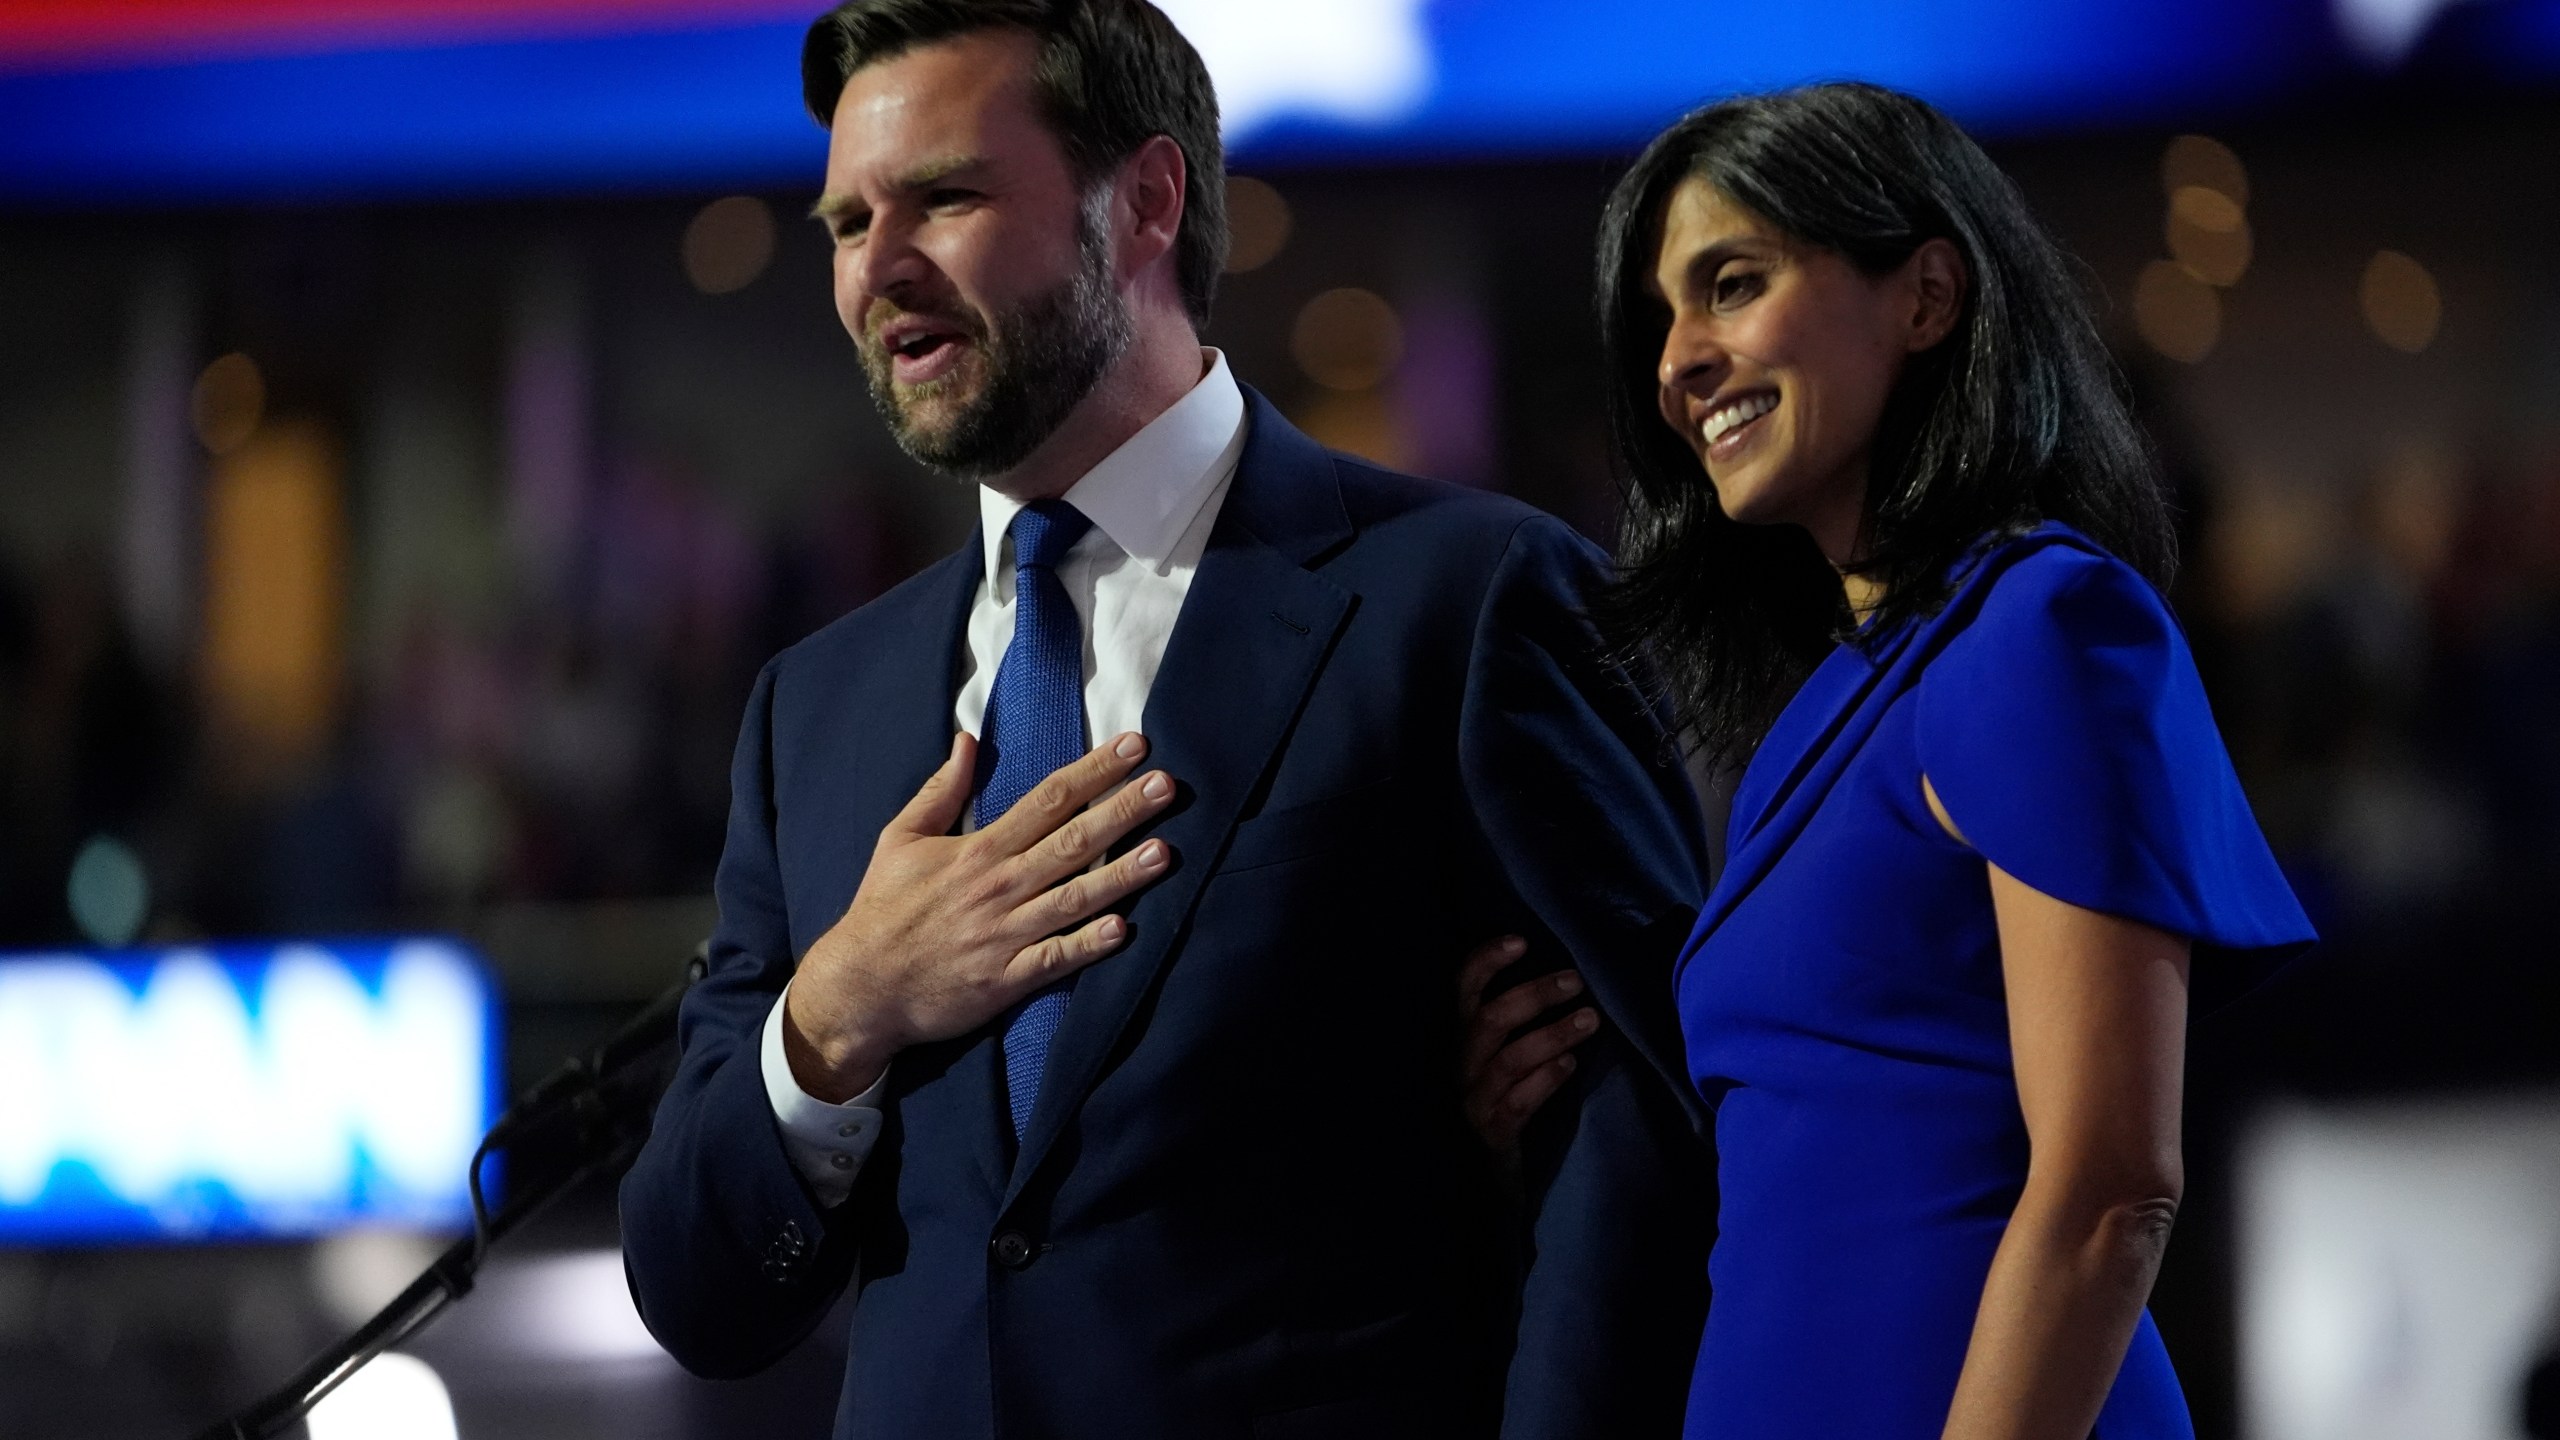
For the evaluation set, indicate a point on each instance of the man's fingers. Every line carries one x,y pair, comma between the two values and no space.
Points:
1060,956
1079,897
1083,894
1056,800
1498,1017
1082,840
1482,964
935,807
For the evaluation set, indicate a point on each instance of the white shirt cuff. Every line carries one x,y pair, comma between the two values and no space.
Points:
826,1143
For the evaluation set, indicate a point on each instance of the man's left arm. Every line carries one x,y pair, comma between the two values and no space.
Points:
1577,794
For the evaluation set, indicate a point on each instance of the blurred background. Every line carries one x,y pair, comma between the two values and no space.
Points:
420,419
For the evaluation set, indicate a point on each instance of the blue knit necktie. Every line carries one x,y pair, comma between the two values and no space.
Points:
1034,725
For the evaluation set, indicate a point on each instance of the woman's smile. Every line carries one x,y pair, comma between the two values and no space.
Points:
1733,423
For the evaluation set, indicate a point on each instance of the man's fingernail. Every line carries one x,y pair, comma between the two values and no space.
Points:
1564,1062
1157,786
1131,746
1151,854
1568,983
1513,944
1111,927
1585,1020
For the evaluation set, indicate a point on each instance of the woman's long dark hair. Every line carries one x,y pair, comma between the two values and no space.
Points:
2017,417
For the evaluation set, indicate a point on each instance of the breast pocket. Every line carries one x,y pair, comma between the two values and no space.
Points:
1334,823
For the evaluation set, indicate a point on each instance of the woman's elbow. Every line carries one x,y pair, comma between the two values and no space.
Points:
2134,1211
2143,1224
2121,1209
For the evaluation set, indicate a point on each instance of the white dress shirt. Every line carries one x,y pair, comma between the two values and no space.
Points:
1152,502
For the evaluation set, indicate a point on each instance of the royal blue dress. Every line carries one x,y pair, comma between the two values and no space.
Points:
1841,996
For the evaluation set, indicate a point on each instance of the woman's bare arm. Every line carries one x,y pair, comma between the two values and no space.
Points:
2097,1030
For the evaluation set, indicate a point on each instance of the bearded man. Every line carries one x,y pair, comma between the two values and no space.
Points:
1083,990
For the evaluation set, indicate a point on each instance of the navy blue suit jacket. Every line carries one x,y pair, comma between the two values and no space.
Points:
1246,1205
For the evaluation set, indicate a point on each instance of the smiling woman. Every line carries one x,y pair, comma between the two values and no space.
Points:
1857,210
1893,538
1779,358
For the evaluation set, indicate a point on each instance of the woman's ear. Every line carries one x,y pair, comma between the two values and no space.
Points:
1936,282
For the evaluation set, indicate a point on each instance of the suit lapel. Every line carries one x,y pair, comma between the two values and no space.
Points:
901,715
903,721
1253,634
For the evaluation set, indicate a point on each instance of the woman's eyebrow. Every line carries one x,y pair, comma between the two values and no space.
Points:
1701,266
1704,263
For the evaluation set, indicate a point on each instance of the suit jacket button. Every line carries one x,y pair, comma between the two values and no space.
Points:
1013,1250
791,1242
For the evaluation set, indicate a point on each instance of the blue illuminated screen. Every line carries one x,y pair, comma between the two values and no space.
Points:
570,94
231,1091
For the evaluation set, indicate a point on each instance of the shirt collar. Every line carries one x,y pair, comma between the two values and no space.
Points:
1145,494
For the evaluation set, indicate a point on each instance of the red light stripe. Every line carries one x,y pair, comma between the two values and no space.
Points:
89,33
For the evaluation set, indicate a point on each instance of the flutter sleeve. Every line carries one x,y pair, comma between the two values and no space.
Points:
2066,732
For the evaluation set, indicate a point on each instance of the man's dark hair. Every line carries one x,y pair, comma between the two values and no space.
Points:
1111,75
2017,417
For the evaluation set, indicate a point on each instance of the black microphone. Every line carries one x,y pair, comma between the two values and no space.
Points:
586,1117
595,1108
595,1075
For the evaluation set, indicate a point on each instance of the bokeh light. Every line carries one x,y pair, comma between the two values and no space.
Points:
2267,545
275,557
109,892
2206,208
229,399
576,1306
728,243
1358,422
2178,313
357,1272
396,1397
2208,233
1258,224
1347,339
2205,163
2401,302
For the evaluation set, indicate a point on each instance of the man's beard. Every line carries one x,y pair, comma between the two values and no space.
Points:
1041,358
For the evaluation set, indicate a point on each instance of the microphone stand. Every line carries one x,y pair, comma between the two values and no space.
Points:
599,1102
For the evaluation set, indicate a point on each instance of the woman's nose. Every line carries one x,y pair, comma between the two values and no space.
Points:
1690,359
